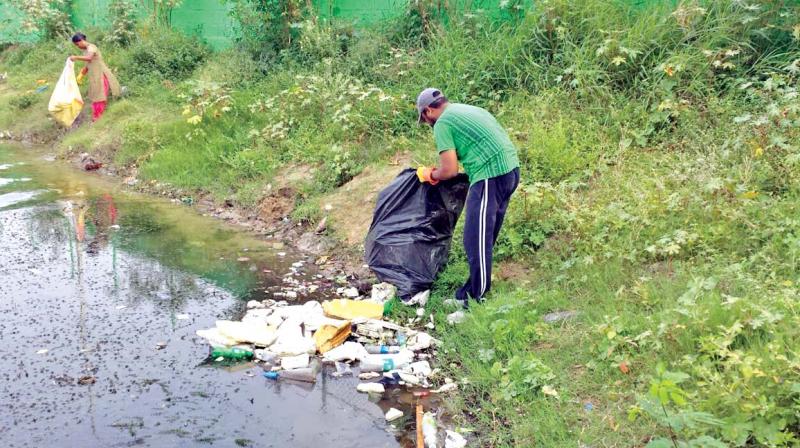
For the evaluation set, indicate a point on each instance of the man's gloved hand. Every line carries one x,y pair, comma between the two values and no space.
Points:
79,78
425,174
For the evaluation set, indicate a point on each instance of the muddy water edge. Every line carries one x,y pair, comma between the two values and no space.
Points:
102,291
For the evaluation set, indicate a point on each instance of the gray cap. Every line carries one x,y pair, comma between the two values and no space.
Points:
426,98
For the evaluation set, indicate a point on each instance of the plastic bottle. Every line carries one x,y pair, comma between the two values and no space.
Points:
401,338
382,349
306,374
231,353
385,363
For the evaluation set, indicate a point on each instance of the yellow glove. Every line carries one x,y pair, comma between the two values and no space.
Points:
425,174
79,78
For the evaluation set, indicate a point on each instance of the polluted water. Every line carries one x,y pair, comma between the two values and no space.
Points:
103,292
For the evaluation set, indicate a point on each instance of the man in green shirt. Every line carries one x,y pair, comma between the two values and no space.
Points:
472,136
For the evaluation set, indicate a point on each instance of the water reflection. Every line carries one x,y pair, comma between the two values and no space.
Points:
93,280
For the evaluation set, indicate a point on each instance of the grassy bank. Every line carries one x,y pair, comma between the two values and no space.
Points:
659,197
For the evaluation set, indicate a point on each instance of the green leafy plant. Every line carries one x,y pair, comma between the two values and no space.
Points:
161,10
267,27
24,101
49,18
123,22
164,55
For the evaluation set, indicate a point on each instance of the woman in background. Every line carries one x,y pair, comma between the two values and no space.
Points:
101,80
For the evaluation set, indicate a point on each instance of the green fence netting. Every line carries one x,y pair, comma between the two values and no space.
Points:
210,19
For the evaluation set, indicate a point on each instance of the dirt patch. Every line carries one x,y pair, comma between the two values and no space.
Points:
282,192
512,271
277,205
352,205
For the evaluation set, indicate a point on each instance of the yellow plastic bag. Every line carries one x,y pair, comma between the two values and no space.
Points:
352,309
331,336
66,102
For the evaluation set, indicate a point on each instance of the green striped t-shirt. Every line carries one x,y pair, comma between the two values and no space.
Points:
482,145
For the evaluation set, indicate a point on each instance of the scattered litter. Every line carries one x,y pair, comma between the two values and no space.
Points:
456,317
231,353
266,356
385,363
288,341
349,351
399,377
331,336
259,335
350,293
447,388
368,375
549,390
42,351
121,307
215,338
86,380
420,298
260,317
452,303
393,414
588,407
295,362
243,259
383,292
342,369
292,342
420,312
182,316
429,429
161,345
307,374
421,368
371,388
559,316
454,440
382,349
352,309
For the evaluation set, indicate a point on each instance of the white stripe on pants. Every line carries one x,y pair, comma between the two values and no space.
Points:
482,236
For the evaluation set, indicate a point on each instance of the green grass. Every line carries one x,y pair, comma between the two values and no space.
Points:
659,195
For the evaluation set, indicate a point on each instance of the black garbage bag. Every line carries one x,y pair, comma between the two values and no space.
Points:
409,239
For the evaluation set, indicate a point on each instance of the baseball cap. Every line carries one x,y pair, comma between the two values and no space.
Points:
425,99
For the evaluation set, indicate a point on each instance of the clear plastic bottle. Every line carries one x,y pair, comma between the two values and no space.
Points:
385,363
306,374
382,349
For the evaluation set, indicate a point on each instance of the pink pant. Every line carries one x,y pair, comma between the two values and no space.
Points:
98,107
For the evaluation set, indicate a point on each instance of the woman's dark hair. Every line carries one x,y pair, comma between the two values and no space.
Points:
77,37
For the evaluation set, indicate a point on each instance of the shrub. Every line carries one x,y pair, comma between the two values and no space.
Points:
23,101
123,22
266,27
163,54
47,18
